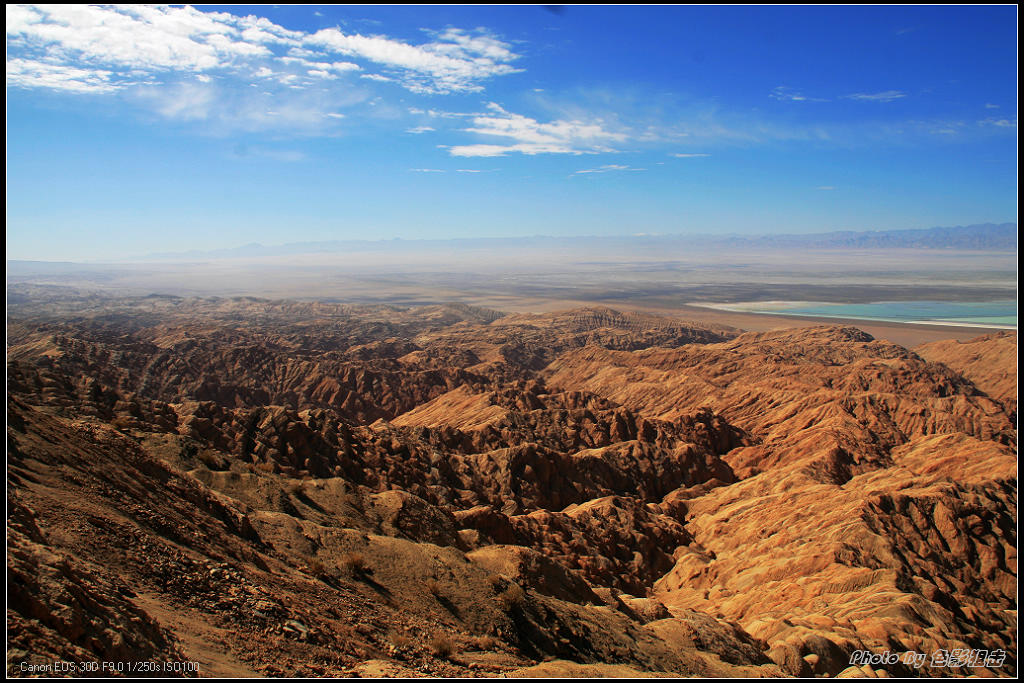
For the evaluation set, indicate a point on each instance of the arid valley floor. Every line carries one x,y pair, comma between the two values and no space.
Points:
243,486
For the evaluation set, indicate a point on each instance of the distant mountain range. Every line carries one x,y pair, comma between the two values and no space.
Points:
981,237
984,236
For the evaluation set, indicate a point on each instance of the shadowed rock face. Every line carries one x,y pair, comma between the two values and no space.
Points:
989,361
349,486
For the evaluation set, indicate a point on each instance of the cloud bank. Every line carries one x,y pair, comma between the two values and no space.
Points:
100,50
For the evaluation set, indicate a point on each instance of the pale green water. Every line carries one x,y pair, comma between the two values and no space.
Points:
1002,313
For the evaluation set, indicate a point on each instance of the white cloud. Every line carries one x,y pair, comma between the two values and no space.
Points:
99,50
786,94
138,49
321,69
783,93
501,150
887,96
342,67
999,123
690,156
224,110
989,105
456,62
461,44
28,73
185,101
434,113
608,168
826,187
529,136
419,129
426,170
139,37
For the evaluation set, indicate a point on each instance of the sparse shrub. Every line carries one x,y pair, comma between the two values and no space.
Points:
512,597
496,581
399,640
486,643
433,587
441,645
355,563
295,488
267,467
318,569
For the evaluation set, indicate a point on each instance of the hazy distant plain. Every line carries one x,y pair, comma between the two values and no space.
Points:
511,278
526,277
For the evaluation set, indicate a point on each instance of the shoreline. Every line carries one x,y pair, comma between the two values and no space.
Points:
906,334
736,308
957,323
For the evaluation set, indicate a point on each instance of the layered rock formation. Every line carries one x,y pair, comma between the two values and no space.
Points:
990,362
450,491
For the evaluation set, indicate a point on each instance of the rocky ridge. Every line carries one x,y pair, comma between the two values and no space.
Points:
449,491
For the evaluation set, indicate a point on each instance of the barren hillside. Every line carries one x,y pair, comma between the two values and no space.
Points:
282,488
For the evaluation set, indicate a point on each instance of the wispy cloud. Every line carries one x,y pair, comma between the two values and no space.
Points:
456,61
887,96
246,73
140,49
222,109
436,113
786,94
608,168
826,187
325,70
999,123
242,151
30,73
427,170
525,135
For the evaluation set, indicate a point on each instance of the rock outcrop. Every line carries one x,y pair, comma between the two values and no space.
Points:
282,488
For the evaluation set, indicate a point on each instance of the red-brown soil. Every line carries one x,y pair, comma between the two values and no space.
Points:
312,489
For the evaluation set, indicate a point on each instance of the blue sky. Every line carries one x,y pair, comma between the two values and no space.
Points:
139,129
